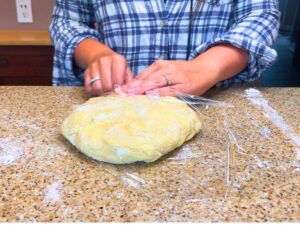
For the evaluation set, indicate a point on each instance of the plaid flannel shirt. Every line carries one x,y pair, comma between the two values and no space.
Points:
146,30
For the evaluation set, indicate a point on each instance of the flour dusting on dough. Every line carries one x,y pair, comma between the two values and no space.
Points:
121,152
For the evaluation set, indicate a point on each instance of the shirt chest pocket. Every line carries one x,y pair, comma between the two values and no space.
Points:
217,2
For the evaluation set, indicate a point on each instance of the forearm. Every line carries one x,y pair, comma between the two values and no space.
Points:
88,50
221,62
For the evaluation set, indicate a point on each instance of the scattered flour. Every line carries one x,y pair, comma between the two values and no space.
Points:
266,132
262,164
176,163
298,161
201,200
53,192
138,179
134,181
130,182
68,211
42,151
10,150
27,124
256,98
185,153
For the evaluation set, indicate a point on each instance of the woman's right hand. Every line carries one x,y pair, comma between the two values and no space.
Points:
108,72
104,68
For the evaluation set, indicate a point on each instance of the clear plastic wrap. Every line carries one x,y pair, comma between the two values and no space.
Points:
207,174
186,175
242,166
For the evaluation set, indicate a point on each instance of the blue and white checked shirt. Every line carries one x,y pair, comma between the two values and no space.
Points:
146,30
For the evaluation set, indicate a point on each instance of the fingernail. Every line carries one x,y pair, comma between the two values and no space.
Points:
118,90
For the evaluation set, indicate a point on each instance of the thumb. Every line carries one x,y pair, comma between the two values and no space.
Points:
133,87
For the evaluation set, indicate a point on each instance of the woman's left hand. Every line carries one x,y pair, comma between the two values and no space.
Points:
166,77
193,77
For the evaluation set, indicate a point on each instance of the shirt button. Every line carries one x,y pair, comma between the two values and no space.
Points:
162,23
160,58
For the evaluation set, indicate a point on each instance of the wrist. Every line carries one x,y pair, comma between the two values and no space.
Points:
90,50
222,62
100,51
208,70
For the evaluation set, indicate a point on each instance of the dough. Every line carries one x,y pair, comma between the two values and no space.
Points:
125,129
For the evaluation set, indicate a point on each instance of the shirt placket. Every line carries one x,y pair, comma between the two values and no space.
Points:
162,40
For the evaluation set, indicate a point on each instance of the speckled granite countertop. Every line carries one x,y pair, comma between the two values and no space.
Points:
43,178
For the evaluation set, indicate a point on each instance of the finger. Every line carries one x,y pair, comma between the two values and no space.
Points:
139,87
167,91
153,81
168,73
153,77
105,65
133,87
118,70
133,84
96,87
87,80
129,78
150,84
159,79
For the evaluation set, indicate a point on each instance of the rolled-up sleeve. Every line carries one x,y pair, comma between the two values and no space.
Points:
72,22
254,28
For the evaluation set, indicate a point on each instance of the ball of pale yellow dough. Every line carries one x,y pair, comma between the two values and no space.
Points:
125,129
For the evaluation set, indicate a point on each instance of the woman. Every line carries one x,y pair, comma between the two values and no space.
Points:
156,46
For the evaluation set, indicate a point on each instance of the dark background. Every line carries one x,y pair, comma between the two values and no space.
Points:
286,71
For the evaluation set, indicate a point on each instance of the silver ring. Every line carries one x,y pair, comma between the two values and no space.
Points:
94,79
168,82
